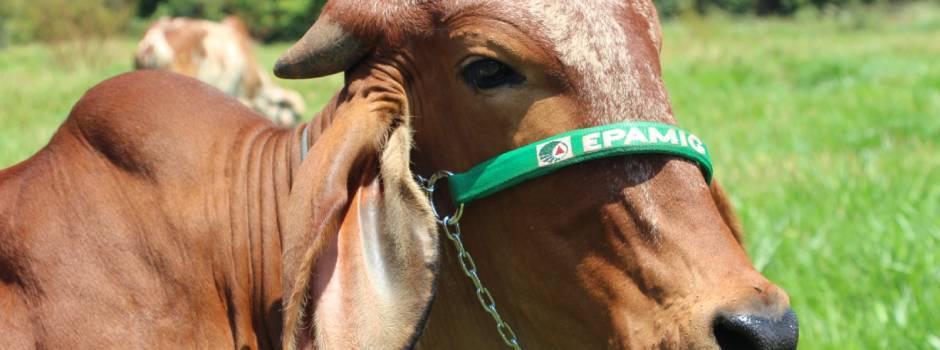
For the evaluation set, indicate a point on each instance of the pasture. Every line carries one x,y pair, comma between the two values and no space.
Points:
824,130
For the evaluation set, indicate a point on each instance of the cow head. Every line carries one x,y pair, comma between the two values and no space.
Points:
631,252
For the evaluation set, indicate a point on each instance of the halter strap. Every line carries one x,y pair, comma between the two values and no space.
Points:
573,147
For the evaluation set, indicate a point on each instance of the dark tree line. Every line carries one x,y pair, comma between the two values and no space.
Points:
269,20
278,20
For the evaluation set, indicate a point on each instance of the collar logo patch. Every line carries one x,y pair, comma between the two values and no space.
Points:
554,151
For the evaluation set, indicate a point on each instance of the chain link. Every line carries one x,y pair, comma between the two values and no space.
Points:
483,295
451,226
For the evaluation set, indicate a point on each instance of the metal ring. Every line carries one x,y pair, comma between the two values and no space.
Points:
467,264
431,183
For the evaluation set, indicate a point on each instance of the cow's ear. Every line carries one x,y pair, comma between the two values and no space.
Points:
360,247
726,209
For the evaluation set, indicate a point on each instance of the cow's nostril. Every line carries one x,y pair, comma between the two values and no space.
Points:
743,331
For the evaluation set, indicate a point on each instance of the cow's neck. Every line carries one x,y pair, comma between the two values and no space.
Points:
260,170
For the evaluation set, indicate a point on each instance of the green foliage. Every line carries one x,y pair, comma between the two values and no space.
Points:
23,21
267,20
278,20
283,20
672,8
63,20
77,31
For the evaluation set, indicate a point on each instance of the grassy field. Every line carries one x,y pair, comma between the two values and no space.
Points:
827,134
826,131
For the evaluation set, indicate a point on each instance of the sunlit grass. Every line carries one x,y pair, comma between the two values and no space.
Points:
825,131
39,84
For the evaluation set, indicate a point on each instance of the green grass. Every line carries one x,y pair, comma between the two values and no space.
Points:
824,130
826,134
39,84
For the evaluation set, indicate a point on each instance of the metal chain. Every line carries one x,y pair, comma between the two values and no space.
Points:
483,294
451,226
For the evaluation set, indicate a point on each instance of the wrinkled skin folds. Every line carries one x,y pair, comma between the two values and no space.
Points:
165,215
633,252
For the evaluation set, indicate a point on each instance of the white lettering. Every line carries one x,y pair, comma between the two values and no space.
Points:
635,135
589,142
682,138
612,135
696,144
657,137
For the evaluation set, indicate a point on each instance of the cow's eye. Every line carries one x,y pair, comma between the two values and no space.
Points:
488,73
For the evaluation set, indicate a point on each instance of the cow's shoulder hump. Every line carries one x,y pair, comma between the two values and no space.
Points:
142,120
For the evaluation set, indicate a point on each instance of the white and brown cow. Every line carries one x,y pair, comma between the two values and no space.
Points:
222,55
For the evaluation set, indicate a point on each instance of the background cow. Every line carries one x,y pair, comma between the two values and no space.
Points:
220,54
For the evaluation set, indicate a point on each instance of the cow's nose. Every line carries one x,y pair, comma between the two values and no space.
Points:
744,331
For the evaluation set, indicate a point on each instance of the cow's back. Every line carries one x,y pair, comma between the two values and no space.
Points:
106,233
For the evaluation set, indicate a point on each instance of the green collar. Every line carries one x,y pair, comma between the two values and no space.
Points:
573,147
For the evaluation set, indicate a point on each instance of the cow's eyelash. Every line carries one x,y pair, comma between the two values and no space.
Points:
487,73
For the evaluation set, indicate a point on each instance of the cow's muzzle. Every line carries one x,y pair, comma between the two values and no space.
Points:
756,331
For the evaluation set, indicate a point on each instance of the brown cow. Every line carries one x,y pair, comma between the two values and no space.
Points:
221,55
205,228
